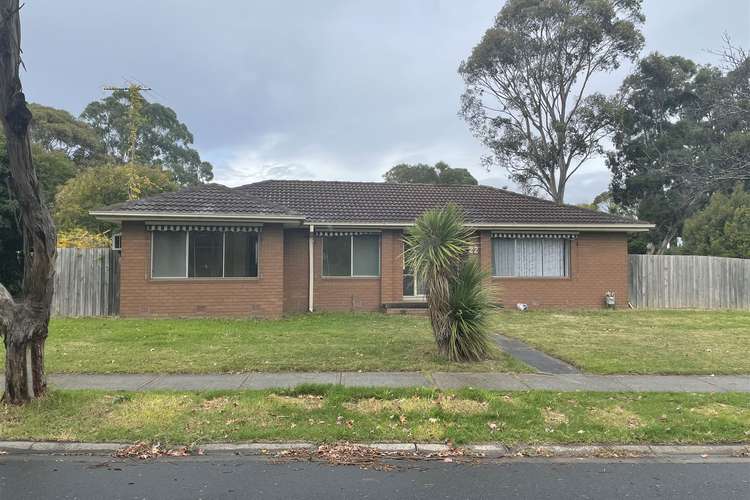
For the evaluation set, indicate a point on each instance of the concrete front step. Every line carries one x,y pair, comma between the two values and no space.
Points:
406,310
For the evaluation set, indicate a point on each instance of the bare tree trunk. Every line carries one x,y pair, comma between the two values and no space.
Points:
663,246
24,324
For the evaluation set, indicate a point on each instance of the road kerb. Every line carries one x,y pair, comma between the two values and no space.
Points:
488,450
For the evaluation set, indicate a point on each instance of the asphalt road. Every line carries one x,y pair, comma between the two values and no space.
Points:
41,477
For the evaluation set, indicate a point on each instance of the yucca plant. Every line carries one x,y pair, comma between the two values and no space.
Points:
437,249
469,308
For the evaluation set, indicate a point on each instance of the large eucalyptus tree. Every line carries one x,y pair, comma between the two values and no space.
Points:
24,322
527,85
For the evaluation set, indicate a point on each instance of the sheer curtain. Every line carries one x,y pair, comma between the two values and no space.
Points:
503,257
530,257
553,257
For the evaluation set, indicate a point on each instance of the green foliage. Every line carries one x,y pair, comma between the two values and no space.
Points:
682,133
53,169
57,130
437,248
469,310
526,83
81,238
421,173
161,139
97,187
722,228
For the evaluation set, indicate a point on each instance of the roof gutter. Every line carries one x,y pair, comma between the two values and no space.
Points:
623,227
114,216
130,216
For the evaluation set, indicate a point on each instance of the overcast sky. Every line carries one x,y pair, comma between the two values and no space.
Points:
330,89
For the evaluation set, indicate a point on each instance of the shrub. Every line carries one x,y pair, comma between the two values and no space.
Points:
437,249
81,238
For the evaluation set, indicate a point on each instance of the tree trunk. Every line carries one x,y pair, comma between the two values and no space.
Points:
24,324
664,244
437,305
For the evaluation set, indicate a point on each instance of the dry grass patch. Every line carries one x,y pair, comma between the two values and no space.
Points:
554,418
715,410
218,404
449,404
303,401
407,405
616,416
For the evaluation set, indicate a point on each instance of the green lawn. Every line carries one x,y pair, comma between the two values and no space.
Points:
334,413
647,342
315,342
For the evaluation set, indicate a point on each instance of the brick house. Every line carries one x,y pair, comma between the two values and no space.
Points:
276,247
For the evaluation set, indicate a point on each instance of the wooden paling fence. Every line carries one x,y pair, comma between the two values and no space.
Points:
689,282
87,282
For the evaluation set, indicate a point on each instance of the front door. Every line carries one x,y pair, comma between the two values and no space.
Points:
413,287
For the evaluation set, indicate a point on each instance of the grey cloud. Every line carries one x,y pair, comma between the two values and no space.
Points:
343,88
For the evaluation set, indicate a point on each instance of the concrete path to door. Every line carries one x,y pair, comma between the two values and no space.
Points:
540,361
441,380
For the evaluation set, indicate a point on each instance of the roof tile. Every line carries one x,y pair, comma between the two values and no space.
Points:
337,201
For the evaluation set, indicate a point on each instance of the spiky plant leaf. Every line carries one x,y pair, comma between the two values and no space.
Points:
469,309
436,249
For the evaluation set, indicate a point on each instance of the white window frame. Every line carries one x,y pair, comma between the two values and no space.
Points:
351,258
223,260
117,241
415,295
568,250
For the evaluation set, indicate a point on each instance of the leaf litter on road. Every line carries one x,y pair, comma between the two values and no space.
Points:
366,457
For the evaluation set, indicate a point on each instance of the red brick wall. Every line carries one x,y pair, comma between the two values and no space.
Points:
361,294
392,267
142,296
342,293
599,262
296,270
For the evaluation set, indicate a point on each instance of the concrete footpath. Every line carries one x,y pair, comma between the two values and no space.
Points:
441,380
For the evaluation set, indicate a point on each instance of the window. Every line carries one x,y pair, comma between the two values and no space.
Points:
117,241
351,255
240,255
204,254
530,257
168,254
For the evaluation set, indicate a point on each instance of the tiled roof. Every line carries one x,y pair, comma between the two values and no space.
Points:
364,202
202,199
334,201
